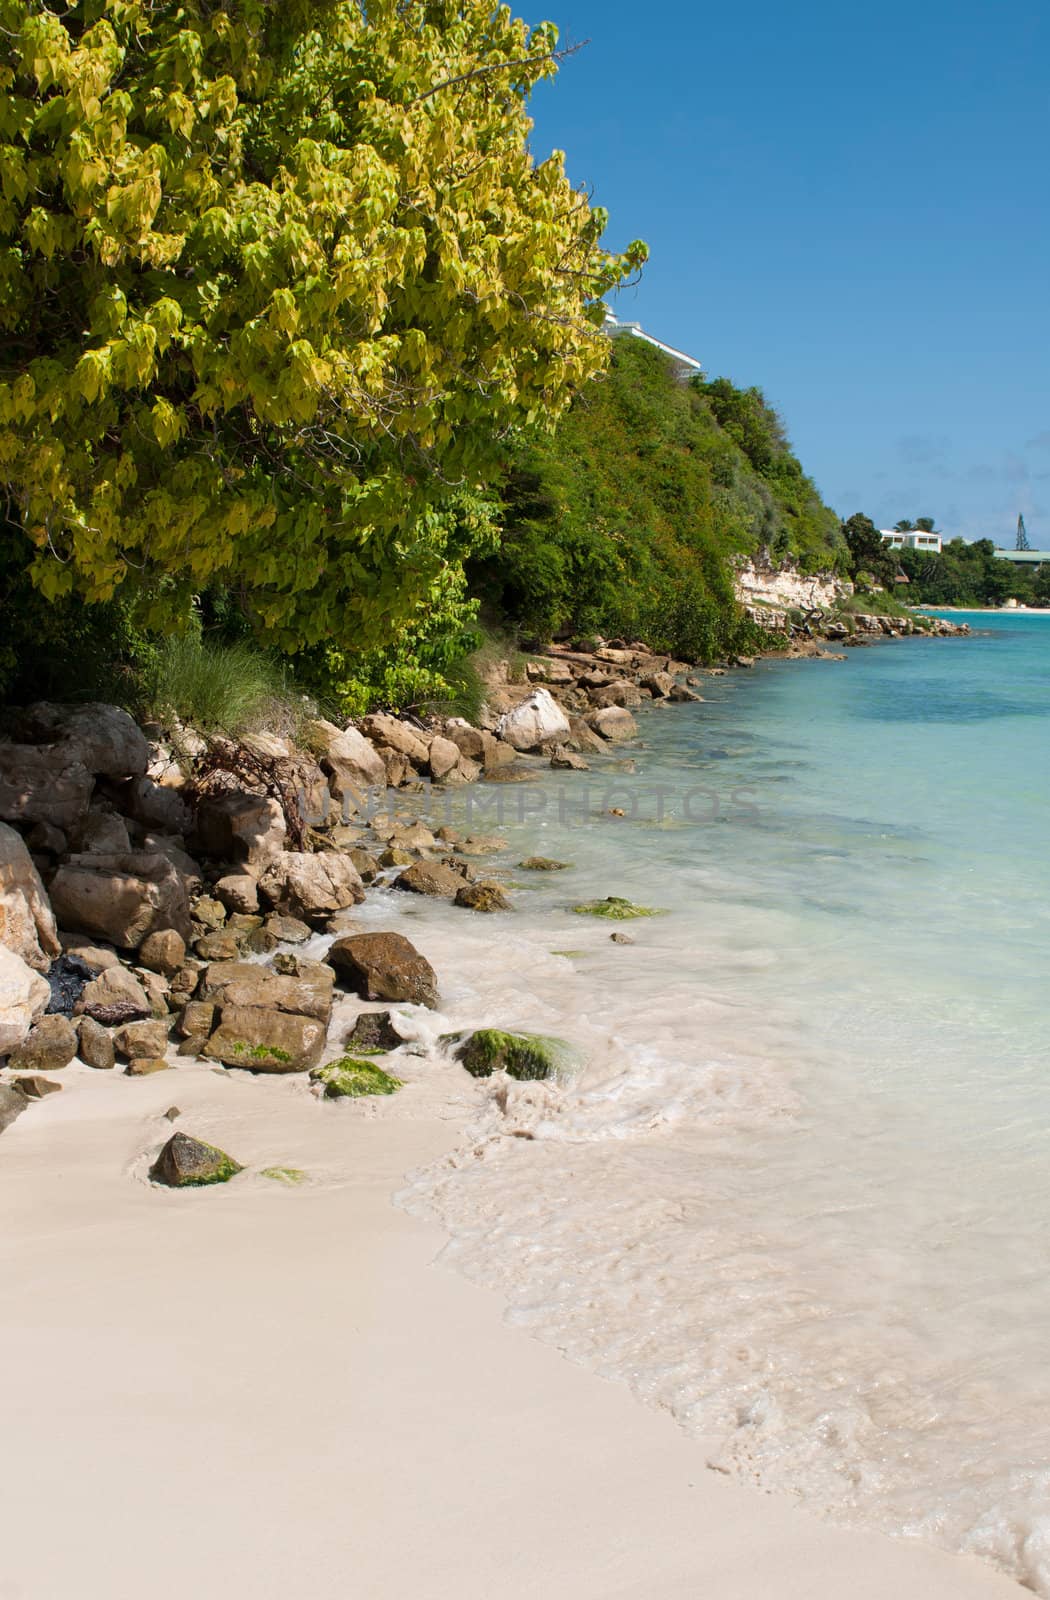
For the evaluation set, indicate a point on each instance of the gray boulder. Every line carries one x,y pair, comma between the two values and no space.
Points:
470,742
27,924
24,996
35,1087
619,693
397,736
43,783
239,891
239,827
266,1041
658,683
12,1103
50,1046
537,721
157,806
585,738
163,951
311,886
218,947
115,996
121,898
287,930
95,1047
196,1021
373,1034
103,738
613,723
430,878
411,836
138,1039
351,763
444,756
97,957
101,832
47,839
567,760
306,992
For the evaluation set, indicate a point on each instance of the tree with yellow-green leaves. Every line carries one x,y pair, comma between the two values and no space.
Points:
276,278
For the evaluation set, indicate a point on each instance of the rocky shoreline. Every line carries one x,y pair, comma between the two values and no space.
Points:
157,888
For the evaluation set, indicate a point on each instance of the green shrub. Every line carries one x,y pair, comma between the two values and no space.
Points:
875,603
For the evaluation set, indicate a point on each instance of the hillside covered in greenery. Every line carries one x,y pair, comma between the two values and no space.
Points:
624,519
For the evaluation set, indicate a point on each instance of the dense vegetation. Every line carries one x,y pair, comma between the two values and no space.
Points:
961,574
971,575
623,521
299,349
275,282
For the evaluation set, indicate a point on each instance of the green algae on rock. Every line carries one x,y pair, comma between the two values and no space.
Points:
349,1078
526,1056
615,907
290,1176
543,864
187,1163
486,896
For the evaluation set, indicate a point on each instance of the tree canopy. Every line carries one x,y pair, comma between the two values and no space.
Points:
868,553
275,281
971,574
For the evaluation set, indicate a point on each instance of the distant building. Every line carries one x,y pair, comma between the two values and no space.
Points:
913,539
1024,558
685,366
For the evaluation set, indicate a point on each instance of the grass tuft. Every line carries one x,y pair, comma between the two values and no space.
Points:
219,687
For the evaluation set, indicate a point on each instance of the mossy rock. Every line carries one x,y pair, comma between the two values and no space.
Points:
349,1078
615,908
289,1176
525,1056
486,897
188,1163
543,864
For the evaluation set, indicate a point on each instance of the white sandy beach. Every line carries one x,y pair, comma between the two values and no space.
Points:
270,1391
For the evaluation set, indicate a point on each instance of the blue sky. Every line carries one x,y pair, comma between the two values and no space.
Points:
850,209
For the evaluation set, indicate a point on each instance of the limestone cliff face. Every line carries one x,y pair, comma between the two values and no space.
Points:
762,584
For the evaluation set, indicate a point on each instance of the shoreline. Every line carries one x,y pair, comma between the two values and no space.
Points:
287,1389
991,611
304,1344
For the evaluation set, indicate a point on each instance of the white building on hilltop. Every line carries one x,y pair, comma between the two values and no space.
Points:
685,366
911,539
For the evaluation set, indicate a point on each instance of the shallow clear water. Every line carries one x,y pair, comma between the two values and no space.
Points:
799,1191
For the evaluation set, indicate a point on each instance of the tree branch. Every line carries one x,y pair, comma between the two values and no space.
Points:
498,66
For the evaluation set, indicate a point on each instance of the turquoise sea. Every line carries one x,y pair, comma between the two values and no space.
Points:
799,1190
